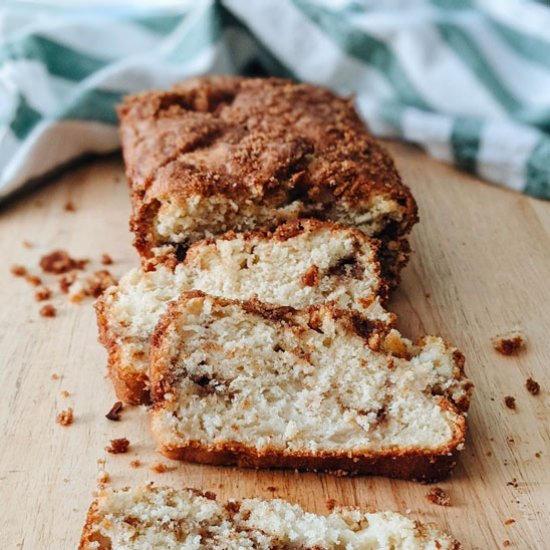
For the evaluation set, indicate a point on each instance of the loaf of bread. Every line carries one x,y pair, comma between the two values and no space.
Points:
228,153
303,263
255,385
151,518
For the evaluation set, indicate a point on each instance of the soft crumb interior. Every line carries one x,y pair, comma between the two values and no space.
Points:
148,518
311,268
189,220
267,384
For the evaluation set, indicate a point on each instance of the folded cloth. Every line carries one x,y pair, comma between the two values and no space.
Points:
467,80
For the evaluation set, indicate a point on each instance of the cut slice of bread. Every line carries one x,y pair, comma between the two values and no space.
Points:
318,389
151,518
215,154
302,263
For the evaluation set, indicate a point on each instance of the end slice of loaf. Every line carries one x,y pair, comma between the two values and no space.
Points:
302,263
214,154
263,386
151,518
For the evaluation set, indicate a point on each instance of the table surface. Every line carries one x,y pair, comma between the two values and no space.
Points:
480,266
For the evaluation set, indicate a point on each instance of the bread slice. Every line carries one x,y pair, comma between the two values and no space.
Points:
319,389
151,518
302,263
228,153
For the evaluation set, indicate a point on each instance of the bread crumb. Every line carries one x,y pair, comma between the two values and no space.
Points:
509,521
18,270
101,461
55,376
65,393
533,387
103,477
65,418
69,206
538,454
509,343
59,261
42,294
114,413
510,402
513,483
33,280
27,244
330,504
65,282
135,463
160,468
106,259
506,543
118,446
48,311
438,496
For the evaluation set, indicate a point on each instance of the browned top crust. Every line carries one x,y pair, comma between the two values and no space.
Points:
254,138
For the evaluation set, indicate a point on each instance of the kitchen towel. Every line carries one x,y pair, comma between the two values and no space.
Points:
467,80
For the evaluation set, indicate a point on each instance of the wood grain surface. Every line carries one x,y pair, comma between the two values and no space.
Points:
481,265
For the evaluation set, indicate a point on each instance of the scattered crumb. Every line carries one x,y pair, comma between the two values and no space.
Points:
48,311
118,446
100,281
271,488
489,453
65,282
160,468
510,402
42,294
65,418
538,454
509,521
513,483
106,259
55,376
27,244
65,393
428,295
18,270
438,496
33,280
92,286
69,206
330,504
509,343
135,463
101,461
510,439
506,543
103,477
114,413
533,387
59,262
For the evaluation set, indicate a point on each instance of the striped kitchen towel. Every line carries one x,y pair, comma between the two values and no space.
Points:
467,80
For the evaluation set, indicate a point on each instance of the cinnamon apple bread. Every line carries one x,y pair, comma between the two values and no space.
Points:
219,153
319,389
304,262
151,518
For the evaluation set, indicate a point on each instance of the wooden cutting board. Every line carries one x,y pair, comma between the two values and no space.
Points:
481,265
